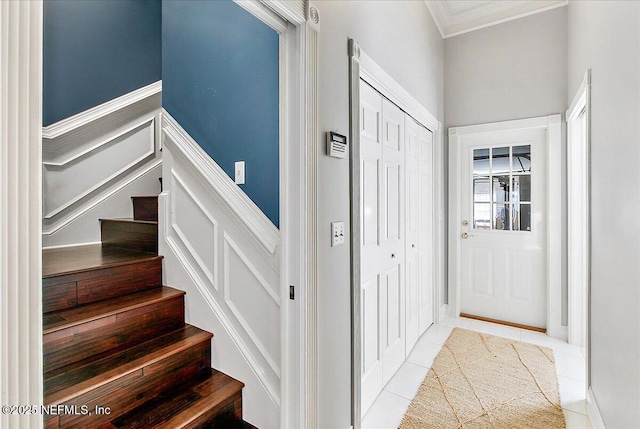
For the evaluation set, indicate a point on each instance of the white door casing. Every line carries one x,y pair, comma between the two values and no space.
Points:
496,263
426,273
412,227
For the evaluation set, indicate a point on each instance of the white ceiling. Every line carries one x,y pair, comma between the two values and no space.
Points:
455,17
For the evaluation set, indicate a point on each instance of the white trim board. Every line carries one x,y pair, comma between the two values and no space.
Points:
78,120
464,18
89,204
20,210
595,418
246,210
552,124
578,214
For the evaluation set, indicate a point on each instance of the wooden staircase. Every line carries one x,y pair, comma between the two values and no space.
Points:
117,352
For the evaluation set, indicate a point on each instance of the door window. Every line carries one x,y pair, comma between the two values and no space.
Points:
502,188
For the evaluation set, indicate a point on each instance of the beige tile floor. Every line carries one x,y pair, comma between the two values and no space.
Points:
388,409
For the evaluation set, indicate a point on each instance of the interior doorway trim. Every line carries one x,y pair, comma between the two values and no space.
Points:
578,210
553,126
21,210
361,66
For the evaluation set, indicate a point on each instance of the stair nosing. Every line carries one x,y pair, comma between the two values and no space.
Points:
137,260
174,293
129,220
237,387
113,374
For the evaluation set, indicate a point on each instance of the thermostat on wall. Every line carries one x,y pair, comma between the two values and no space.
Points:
336,145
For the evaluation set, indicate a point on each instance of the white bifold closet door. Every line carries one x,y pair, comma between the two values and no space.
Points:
393,289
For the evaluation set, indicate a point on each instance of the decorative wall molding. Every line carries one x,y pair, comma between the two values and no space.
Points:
373,74
245,210
20,207
230,245
92,203
264,14
209,269
293,11
71,123
311,109
270,387
458,17
92,154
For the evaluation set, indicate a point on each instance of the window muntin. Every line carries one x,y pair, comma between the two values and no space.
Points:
501,188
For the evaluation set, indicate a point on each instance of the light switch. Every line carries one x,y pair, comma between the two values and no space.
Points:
337,233
240,172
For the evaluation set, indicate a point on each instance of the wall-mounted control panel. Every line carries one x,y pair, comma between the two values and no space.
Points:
337,233
336,145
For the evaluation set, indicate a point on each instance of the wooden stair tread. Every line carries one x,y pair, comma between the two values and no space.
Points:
67,318
130,220
184,406
70,260
84,376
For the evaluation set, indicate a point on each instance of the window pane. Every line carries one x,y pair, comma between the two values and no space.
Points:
481,161
500,160
482,216
522,217
501,216
481,189
500,188
521,189
522,159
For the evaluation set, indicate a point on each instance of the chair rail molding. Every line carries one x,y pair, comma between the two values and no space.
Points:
86,117
20,210
245,210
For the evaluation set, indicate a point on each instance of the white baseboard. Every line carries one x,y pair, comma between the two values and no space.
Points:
443,313
594,412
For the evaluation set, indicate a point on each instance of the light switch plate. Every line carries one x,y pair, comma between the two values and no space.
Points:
337,233
239,167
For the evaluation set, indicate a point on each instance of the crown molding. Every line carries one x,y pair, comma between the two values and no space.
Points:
458,17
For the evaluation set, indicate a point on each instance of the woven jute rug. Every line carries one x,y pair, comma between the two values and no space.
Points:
481,381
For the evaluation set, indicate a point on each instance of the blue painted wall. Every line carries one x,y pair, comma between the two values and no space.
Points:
98,50
220,82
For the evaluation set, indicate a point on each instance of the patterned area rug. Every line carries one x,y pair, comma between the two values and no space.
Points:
481,381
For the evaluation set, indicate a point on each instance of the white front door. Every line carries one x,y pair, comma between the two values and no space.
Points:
501,197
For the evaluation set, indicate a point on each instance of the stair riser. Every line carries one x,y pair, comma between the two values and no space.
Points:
137,236
225,415
145,208
67,291
123,395
116,331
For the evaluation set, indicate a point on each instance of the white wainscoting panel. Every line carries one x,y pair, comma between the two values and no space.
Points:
212,232
95,161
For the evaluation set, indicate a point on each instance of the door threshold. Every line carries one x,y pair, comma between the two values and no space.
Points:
502,322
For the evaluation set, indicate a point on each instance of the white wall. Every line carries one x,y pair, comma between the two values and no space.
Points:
513,70
605,36
402,38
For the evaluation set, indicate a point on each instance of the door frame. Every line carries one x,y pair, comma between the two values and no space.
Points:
553,125
578,216
361,66
21,376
